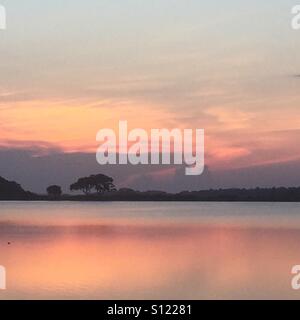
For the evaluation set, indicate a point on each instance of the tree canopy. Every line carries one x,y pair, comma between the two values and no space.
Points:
100,183
54,191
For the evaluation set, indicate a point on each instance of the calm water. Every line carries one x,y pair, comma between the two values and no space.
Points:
149,250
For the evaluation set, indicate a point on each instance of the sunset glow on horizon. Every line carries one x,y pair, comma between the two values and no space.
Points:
233,72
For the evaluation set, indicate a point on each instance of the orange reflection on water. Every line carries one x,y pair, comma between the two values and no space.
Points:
149,262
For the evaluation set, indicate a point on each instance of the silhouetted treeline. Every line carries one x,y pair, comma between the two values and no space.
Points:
258,194
106,191
241,195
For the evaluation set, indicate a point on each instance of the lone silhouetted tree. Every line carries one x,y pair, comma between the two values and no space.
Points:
82,184
100,183
54,191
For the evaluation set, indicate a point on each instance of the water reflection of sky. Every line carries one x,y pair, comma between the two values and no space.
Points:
147,261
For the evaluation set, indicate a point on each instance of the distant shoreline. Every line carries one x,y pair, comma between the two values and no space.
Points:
222,195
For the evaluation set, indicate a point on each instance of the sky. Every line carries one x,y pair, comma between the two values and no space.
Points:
69,68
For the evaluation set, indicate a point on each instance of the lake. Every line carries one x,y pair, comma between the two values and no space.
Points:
149,250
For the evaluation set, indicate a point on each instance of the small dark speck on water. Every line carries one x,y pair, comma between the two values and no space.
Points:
8,243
